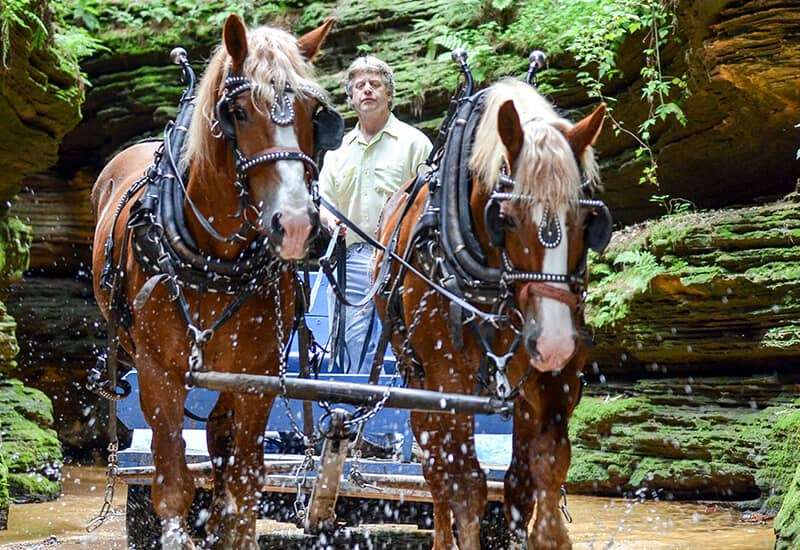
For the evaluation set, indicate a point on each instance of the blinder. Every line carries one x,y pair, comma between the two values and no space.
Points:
328,130
598,226
328,123
224,118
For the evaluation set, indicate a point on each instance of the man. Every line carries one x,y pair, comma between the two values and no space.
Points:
375,159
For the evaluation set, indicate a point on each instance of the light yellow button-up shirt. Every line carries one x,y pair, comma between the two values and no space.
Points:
358,177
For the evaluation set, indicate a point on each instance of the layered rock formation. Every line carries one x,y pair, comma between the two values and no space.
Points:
712,289
40,97
787,524
688,438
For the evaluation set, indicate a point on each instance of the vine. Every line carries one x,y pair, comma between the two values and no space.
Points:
24,14
591,32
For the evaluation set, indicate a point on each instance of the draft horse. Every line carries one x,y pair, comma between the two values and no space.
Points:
527,171
220,299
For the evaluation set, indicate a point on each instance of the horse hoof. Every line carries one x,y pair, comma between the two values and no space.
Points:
174,535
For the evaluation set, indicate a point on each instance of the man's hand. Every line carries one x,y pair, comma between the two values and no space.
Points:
331,223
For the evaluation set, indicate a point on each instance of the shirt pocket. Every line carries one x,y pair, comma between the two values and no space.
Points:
389,177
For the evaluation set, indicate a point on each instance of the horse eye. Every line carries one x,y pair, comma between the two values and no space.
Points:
508,221
240,114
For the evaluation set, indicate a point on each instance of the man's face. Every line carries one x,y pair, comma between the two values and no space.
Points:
369,95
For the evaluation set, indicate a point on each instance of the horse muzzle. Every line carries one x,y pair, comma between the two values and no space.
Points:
290,229
548,352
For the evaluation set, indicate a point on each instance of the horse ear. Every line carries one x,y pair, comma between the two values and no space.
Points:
234,36
510,130
310,42
585,133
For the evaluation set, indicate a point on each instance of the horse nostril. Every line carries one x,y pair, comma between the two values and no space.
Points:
275,224
530,336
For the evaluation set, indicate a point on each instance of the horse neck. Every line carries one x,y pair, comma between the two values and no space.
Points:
214,195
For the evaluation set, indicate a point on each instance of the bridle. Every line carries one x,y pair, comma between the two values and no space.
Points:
281,113
549,235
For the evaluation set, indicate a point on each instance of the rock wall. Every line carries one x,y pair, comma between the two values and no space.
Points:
40,97
688,438
787,524
698,291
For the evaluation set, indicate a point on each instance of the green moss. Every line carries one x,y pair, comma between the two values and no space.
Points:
5,498
597,416
778,448
787,522
609,298
785,337
28,447
33,487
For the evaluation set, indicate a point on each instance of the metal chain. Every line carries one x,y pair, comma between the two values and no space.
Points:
106,511
563,505
301,475
356,476
274,287
301,472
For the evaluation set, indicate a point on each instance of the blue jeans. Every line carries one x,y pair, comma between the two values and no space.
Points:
357,321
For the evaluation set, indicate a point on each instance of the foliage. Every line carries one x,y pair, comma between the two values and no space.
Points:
26,14
589,31
673,205
166,16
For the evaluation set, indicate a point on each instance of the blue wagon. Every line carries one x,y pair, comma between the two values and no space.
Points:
389,471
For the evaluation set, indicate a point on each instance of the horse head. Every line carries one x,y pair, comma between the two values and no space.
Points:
533,168
252,139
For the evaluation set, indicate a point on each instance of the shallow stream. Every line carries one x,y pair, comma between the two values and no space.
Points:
599,523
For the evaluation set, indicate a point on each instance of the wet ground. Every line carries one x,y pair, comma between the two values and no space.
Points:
599,523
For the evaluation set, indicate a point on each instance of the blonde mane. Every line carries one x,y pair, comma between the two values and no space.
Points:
273,62
545,170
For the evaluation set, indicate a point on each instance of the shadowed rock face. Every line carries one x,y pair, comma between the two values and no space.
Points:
739,142
40,97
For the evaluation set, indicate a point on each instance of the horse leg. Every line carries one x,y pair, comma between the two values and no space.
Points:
466,480
219,528
428,433
244,473
162,399
518,498
549,456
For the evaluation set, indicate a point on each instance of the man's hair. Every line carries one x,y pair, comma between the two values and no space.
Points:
370,64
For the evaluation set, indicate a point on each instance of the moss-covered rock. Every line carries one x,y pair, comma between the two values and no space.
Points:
5,499
40,93
29,446
707,288
787,523
698,438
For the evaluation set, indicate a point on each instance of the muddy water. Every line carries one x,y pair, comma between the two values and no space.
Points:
599,523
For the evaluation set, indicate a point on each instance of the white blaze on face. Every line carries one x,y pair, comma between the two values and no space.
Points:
556,342
291,198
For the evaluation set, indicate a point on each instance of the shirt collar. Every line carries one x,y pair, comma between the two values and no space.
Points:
390,128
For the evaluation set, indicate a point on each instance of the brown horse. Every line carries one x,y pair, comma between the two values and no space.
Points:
275,66
521,135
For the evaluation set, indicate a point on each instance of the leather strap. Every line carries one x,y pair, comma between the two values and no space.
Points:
544,290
